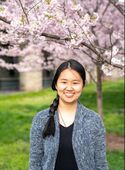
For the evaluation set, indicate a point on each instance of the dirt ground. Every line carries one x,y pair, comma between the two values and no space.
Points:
115,142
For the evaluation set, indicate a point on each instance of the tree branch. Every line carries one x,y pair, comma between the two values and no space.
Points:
101,59
91,76
3,31
56,37
114,65
33,6
116,6
110,38
24,11
5,45
90,48
4,20
105,8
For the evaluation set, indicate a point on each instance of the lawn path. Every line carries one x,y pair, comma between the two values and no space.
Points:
115,142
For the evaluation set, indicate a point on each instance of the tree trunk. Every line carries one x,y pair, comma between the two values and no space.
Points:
99,90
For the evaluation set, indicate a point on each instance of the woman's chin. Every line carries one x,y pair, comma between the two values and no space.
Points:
69,100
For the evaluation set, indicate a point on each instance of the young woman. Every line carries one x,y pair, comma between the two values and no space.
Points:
68,136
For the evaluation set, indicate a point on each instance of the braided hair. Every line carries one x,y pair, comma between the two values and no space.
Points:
50,125
75,65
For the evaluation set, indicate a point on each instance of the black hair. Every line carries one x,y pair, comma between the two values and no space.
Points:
75,65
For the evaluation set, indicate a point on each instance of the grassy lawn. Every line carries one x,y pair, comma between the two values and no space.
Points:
116,160
17,111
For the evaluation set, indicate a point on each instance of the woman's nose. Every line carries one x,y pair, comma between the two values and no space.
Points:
69,87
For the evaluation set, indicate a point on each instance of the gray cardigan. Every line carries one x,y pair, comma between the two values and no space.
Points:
88,141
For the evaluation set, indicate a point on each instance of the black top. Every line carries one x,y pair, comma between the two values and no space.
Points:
65,157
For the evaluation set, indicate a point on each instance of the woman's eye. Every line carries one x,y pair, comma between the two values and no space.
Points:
75,83
63,82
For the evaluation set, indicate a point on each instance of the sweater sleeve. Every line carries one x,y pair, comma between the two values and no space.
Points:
36,145
100,147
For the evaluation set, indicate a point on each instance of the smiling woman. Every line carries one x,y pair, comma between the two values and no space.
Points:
68,136
69,86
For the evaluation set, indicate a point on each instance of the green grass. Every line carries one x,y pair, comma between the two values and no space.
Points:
114,123
14,156
17,111
115,160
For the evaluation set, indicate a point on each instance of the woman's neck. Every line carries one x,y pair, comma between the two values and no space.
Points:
67,112
67,107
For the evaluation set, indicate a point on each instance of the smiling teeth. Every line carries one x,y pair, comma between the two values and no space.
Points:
68,94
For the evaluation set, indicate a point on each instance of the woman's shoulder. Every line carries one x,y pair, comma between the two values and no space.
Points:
43,113
92,116
88,111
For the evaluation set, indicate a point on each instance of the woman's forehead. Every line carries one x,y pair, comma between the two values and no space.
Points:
69,74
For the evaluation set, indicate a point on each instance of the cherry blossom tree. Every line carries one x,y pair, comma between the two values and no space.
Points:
91,31
107,49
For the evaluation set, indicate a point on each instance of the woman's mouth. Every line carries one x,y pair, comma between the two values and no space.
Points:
69,94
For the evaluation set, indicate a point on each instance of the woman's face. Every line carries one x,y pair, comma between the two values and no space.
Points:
69,86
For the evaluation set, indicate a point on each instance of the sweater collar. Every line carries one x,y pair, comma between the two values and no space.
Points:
80,113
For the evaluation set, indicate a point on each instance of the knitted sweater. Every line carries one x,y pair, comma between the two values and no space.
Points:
88,141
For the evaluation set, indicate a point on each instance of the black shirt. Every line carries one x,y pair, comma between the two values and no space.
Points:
65,157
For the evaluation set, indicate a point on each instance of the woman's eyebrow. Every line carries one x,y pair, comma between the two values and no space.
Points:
63,79
72,80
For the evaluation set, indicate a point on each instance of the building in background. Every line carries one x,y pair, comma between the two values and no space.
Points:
12,80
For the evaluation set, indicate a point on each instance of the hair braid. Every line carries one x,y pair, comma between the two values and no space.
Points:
50,125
